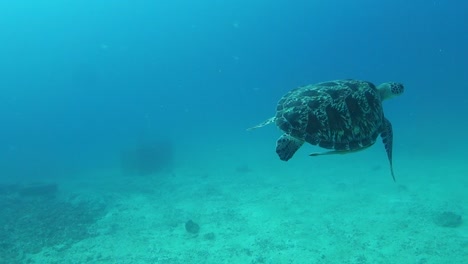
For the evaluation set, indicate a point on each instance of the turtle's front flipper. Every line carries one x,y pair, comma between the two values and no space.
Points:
286,146
387,138
264,123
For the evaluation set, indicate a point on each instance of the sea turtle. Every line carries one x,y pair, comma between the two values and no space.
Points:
343,115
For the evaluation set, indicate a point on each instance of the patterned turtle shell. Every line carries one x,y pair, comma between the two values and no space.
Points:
343,115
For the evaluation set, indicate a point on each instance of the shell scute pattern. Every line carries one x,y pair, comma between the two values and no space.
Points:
341,115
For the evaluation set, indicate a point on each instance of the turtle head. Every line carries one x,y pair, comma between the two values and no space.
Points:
390,89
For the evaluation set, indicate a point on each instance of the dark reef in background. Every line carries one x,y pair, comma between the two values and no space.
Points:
147,158
44,190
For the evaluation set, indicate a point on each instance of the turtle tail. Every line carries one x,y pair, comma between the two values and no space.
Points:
387,138
264,123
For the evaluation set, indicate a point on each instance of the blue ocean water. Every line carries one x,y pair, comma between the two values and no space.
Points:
84,81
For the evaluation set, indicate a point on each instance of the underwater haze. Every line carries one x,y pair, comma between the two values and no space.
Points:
124,132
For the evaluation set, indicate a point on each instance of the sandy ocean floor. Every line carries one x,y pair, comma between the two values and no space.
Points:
335,209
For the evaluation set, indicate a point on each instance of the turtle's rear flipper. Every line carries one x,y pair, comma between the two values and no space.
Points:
338,151
331,152
286,146
387,138
264,123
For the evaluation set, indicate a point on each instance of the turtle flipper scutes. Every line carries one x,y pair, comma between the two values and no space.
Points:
264,123
286,146
387,138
